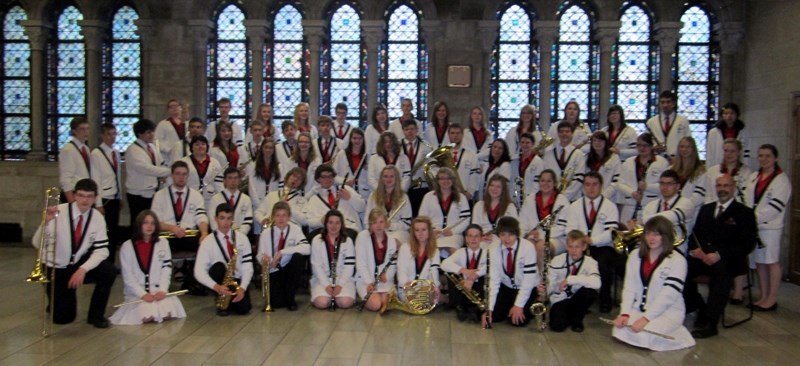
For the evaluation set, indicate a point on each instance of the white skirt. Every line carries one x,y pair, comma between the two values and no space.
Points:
383,287
133,314
663,325
771,252
348,290
453,241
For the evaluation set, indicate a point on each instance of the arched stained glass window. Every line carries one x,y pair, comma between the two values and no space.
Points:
696,76
66,79
344,69
404,62
286,65
515,67
229,65
15,86
575,72
122,76
635,68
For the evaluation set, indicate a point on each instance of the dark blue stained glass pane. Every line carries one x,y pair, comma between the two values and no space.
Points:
230,24
403,60
514,63
573,62
634,99
633,63
17,96
574,91
288,24
515,25
693,63
345,25
232,60
124,26
125,135
575,26
68,28
345,59
126,59
288,60
71,60
286,96
16,59
403,25
17,132
71,97
696,26
126,96
12,29
635,25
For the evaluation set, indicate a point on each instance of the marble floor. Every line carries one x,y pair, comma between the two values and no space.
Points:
347,337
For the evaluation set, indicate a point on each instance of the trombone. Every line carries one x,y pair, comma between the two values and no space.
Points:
46,253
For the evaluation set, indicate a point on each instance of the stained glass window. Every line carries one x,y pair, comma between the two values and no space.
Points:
15,86
344,65
229,66
515,67
122,71
404,62
66,79
286,67
696,75
635,68
575,64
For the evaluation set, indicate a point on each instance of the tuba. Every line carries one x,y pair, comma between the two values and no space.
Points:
441,157
223,301
420,298
626,241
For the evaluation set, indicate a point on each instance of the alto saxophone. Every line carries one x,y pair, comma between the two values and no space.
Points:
539,308
223,301
566,177
469,293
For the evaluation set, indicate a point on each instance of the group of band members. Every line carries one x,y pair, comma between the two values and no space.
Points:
363,198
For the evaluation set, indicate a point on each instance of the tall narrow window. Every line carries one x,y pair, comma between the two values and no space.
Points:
66,79
404,62
696,77
15,86
575,73
229,65
344,68
635,68
515,67
286,66
122,76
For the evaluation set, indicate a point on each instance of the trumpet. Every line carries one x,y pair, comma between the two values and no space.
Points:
44,254
190,233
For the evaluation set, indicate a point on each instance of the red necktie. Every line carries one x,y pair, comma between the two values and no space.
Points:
114,161
341,132
231,202
78,233
455,156
667,126
179,205
331,198
574,270
473,263
152,154
666,206
410,153
325,149
563,151
230,246
510,264
85,155
281,242
592,213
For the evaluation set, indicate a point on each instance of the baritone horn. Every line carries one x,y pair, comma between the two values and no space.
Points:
442,157
46,254
626,241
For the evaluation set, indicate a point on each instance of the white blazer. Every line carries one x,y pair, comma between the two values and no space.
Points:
71,166
581,134
94,242
682,211
194,209
529,216
141,173
716,140
341,164
296,202
481,218
559,270
607,219
320,263
628,183
469,142
773,204
213,249
109,180
243,210
525,277
573,159
367,268
679,128
407,267
376,165
167,135
457,217
209,184
294,243
317,206
625,142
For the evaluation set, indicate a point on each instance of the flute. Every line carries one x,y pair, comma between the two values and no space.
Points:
176,293
662,335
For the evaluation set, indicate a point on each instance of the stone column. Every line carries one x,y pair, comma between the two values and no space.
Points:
486,33
146,29
433,34
314,31
38,33
667,35
94,33
257,33
374,31
200,31
730,41
546,35
606,33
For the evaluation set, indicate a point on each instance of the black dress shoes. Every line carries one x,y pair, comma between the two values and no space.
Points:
705,332
733,301
292,306
461,314
605,307
222,312
100,323
577,328
762,309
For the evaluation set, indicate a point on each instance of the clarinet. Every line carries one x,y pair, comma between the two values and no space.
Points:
332,306
486,280
377,278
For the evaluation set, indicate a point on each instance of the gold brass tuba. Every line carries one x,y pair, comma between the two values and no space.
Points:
420,298
223,301
441,157
626,241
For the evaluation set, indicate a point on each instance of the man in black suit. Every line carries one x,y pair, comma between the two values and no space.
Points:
725,232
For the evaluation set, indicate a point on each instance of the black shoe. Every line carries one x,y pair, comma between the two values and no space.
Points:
292,306
700,323
222,312
577,328
733,301
605,307
705,332
461,314
99,322
762,309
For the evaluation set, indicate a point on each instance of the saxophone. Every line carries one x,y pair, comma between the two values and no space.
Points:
539,308
469,293
566,177
223,301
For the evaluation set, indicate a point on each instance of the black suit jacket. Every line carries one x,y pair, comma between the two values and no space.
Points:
732,235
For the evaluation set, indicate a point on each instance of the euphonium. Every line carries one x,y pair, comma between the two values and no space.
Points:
469,293
223,301
441,157
626,241
420,298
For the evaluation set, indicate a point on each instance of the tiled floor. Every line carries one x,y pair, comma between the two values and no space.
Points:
347,337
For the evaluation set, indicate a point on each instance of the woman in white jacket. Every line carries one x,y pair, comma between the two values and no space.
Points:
333,261
419,258
376,261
